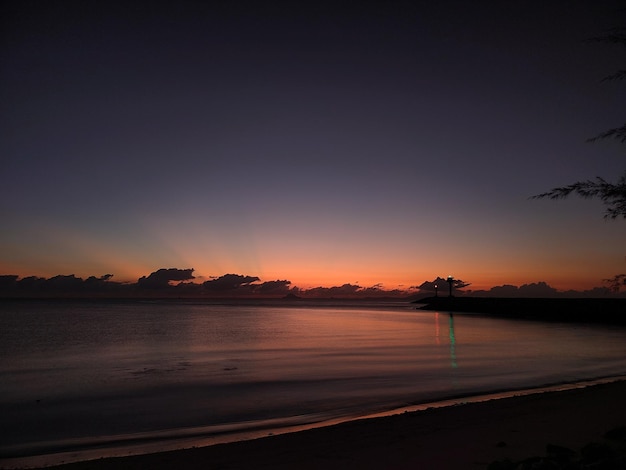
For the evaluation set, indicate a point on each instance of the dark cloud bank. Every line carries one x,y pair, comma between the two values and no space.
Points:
179,283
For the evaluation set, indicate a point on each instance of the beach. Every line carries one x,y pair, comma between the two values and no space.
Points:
465,436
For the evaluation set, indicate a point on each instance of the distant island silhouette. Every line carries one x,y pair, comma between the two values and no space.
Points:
175,283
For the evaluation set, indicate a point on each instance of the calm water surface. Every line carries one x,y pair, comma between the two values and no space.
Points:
95,371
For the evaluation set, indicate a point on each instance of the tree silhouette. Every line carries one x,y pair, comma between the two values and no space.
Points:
455,284
616,282
433,286
613,195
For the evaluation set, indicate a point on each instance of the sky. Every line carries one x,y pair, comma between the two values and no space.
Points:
369,143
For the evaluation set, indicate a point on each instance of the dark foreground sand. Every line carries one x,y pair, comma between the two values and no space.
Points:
469,436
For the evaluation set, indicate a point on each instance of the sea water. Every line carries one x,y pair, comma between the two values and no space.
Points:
84,374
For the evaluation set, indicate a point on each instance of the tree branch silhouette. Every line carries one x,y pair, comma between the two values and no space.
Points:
616,282
617,133
613,195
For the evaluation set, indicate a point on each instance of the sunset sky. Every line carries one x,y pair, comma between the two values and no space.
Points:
322,143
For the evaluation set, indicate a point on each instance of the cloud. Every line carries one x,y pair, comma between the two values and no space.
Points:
173,282
163,277
65,285
31,283
541,289
506,290
8,280
537,289
275,288
229,282
346,290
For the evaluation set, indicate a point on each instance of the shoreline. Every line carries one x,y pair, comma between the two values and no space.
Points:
272,439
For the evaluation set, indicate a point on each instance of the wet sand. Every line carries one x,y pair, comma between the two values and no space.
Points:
467,436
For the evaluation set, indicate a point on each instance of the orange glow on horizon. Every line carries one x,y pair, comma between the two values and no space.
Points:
305,280
309,268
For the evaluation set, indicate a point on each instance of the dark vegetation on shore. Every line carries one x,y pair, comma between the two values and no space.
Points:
607,311
607,453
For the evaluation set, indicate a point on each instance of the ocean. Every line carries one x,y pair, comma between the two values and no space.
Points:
87,376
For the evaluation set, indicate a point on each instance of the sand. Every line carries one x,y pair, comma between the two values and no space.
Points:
467,436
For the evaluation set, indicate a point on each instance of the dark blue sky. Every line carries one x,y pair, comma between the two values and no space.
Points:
370,142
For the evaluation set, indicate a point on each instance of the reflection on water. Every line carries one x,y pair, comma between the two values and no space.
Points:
73,369
451,337
452,342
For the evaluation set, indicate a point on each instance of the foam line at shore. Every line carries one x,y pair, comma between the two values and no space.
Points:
167,440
